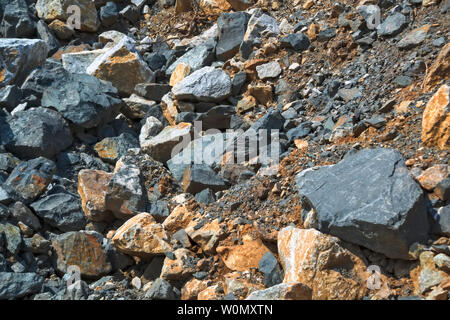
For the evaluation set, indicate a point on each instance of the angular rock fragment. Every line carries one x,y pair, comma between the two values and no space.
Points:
16,285
436,119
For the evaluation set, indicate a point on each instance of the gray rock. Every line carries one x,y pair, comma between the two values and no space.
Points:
198,177
78,62
36,244
296,41
268,70
283,291
23,214
79,290
47,35
260,25
111,149
16,22
109,14
38,132
10,97
137,107
131,13
206,196
393,25
150,129
30,178
413,38
161,290
152,91
83,100
19,56
126,193
383,210
62,211
218,117
270,267
17,285
12,237
442,261
196,58
441,221
232,27
326,34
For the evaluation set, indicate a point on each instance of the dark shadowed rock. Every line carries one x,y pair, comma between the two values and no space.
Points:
16,285
38,132
62,211
198,177
17,22
368,199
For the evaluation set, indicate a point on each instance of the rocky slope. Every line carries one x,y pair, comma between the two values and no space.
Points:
110,190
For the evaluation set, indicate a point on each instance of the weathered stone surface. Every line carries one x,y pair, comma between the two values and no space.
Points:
123,66
30,179
429,275
18,57
141,236
441,225
16,285
23,214
268,70
207,235
12,237
137,107
83,249
126,194
431,177
207,84
179,218
78,62
192,288
111,149
46,34
198,177
439,70
181,71
241,5
150,129
393,25
61,30
196,58
245,256
436,119
62,211
232,27
296,41
162,147
10,97
152,91
111,36
109,14
82,99
92,187
269,266
182,267
384,212
38,132
50,10
161,290
322,263
283,291
414,38
16,21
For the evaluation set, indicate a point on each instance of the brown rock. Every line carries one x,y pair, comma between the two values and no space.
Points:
247,103
192,288
183,6
184,265
210,293
262,93
322,263
439,70
241,5
92,187
245,256
436,119
142,236
82,249
61,30
215,6
178,219
431,177
182,70
207,236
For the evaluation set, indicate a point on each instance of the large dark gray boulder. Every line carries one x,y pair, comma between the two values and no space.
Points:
16,285
368,199
38,132
83,100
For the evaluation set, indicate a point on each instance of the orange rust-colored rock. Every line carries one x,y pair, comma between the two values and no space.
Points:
142,236
431,177
92,187
262,93
178,219
245,256
436,119
182,70
192,288
210,293
439,70
322,263
215,6
207,236
182,267
83,250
